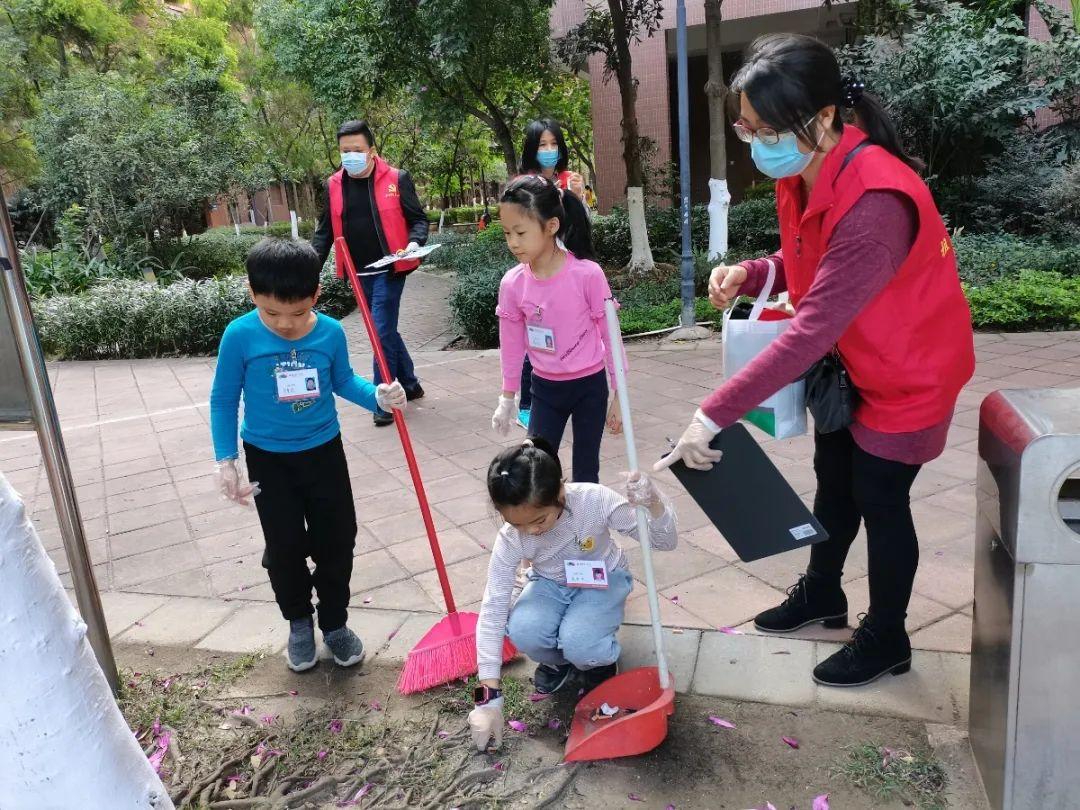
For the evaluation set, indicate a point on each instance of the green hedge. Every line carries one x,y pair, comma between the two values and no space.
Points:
126,319
480,263
984,259
1034,299
462,213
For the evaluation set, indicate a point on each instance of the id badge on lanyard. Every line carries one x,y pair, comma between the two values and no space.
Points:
585,573
541,338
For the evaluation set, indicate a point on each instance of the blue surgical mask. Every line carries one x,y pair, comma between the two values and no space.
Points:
547,158
354,162
780,159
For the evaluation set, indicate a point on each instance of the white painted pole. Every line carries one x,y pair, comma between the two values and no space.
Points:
719,203
618,356
63,741
295,225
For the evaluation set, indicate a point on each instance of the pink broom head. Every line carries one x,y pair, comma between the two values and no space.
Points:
447,652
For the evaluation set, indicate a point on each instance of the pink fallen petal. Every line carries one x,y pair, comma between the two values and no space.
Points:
580,692
536,697
336,726
731,631
517,725
634,797
499,766
720,721
268,719
321,755
791,741
156,728
821,802
443,735
375,706
368,600
165,684
392,634
243,587
554,723
675,600
158,756
670,807
939,553
139,624
293,692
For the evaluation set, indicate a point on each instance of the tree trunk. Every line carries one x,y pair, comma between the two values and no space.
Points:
641,259
506,142
63,740
716,90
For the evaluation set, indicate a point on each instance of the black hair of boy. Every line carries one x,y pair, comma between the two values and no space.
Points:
529,473
357,127
533,133
285,269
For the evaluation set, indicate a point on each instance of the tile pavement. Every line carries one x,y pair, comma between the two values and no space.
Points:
176,564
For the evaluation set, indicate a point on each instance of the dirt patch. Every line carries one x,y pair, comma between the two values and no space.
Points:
413,752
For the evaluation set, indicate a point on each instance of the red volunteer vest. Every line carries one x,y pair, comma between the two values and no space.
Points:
911,349
390,219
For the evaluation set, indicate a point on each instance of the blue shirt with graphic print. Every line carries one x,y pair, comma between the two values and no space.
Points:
288,386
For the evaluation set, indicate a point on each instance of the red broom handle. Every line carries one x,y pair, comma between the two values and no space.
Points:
344,258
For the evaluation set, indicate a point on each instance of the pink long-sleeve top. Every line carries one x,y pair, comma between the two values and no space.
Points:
866,249
559,321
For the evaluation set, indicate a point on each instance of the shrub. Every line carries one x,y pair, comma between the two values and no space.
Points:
611,238
480,265
753,229
125,319
640,319
461,213
1032,300
984,259
216,253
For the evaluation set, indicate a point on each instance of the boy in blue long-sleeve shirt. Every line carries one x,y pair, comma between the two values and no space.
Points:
288,362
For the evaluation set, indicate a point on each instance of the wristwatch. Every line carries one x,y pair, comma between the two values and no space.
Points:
484,694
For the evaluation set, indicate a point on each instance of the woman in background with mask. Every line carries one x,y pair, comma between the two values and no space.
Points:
868,263
544,152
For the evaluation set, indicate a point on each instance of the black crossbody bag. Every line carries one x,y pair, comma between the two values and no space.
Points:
830,396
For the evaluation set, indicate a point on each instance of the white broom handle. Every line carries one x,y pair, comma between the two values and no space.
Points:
616,344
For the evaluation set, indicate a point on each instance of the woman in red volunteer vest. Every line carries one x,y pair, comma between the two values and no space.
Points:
870,269
544,152
375,207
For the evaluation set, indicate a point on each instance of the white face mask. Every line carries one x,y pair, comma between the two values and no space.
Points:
354,162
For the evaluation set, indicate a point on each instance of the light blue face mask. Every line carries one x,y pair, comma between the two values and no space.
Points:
783,158
547,158
354,162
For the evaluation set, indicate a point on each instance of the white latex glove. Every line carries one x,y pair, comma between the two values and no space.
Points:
641,491
724,285
486,725
504,415
233,483
693,447
390,395
409,248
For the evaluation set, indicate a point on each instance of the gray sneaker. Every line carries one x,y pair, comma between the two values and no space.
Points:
346,646
303,654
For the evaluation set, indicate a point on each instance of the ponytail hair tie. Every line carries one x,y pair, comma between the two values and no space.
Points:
504,472
853,91
528,443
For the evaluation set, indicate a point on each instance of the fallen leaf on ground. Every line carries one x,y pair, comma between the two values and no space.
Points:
821,802
791,741
634,797
720,721
517,725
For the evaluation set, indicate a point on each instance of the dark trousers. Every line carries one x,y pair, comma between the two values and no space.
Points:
855,486
582,401
383,294
525,400
306,510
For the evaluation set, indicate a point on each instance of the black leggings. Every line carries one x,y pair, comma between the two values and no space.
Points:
583,401
854,486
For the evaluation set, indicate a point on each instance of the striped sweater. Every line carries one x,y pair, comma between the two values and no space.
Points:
581,533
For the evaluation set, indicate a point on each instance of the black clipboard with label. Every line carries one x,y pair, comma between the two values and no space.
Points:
749,500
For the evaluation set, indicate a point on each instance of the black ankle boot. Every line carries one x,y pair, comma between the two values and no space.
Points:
872,651
808,601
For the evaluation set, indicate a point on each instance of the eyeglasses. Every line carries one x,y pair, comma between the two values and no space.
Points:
765,135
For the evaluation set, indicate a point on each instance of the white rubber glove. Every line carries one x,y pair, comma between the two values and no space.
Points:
233,483
486,725
693,446
504,415
390,395
409,248
641,491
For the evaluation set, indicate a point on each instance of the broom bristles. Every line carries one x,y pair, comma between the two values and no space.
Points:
443,662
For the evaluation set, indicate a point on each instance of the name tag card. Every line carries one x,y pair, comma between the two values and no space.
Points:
298,383
541,338
585,573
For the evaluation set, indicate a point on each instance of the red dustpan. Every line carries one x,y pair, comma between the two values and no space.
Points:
448,650
645,697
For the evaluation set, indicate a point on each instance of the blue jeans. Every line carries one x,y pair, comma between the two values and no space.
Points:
554,624
383,293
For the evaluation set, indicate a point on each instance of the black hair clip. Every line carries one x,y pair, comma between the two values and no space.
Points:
853,91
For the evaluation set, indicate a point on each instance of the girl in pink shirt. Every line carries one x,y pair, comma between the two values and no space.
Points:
551,307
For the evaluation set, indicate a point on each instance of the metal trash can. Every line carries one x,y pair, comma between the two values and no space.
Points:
1025,643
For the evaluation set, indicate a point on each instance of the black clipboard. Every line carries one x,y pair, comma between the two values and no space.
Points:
749,500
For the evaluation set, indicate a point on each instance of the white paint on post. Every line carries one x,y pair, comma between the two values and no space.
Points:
295,225
63,741
641,258
251,215
236,227
719,203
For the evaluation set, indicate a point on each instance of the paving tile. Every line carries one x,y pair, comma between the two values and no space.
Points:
250,629
415,555
405,526
376,626
936,689
142,498
142,517
122,610
671,615
230,545
952,634
230,576
374,569
468,579
681,650
758,668
193,582
180,621
725,598
672,567
948,579
411,631
406,594
149,538
151,565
